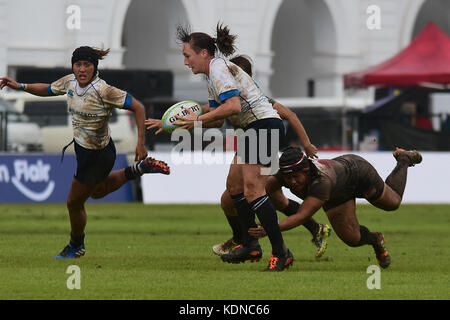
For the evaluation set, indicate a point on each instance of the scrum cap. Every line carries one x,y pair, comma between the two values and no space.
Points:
293,159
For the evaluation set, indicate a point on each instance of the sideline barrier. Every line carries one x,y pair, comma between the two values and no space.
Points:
427,182
43,178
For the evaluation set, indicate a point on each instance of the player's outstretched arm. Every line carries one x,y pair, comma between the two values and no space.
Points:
306,210
296,124
139,113
38,89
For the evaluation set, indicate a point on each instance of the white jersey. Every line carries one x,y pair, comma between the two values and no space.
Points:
90,108
226,80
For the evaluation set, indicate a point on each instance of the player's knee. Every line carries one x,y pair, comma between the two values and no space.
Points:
393,206
73,204
225,201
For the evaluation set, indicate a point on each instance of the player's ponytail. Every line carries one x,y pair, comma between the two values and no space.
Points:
225,40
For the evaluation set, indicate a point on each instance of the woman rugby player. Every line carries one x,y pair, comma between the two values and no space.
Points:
90,101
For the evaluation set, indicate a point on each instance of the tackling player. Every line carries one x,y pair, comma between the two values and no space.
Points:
334,185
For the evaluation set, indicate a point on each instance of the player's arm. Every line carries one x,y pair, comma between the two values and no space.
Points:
296,124
306,210
38,89
139,112
211,124
229,107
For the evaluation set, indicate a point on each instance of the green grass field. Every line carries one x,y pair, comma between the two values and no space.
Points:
137,251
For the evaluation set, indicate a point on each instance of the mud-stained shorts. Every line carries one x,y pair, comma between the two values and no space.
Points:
364,182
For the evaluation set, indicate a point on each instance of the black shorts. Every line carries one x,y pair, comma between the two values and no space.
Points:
365,181
93,166
255,146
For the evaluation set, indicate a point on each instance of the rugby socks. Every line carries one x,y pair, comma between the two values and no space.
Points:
134,171
76,241
267,215
237,228
246,217
397,179
309,224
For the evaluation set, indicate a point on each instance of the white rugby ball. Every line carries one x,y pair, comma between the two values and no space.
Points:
179,109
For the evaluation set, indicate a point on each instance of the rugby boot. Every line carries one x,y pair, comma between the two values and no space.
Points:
151,165
383,256
277,264
320,239
241,254
224,247
70,252
414,157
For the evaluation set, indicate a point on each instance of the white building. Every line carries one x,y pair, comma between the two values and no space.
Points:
292,42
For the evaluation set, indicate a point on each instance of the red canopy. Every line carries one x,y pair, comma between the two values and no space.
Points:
425,60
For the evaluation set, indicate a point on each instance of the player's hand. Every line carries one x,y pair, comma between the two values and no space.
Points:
141,153
8,82
258,232
311,151
184,125
191,117
154,123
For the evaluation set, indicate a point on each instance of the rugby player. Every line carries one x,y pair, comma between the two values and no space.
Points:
232,91
90,102
334,185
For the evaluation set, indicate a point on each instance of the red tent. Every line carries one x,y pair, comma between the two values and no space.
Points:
425,60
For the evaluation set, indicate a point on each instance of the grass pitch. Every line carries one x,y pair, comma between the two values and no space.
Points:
137,251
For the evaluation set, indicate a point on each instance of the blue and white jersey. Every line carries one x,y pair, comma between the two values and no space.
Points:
90,108
227,80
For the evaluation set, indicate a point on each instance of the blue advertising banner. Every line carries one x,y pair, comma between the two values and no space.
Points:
43,178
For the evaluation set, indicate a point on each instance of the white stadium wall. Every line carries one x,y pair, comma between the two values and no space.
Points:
427,182
335,37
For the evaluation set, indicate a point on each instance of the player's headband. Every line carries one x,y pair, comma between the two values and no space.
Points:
85,54
293,159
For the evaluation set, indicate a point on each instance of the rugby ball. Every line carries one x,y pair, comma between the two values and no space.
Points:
179,109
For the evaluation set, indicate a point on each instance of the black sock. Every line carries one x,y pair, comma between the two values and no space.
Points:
397,179
133,172
237,228
312,226
246,217
267,215
367,237
76,241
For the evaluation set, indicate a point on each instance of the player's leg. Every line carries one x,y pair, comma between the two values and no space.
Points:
345,224
233,220
78,194
250,248
118,178
395,183
255,192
